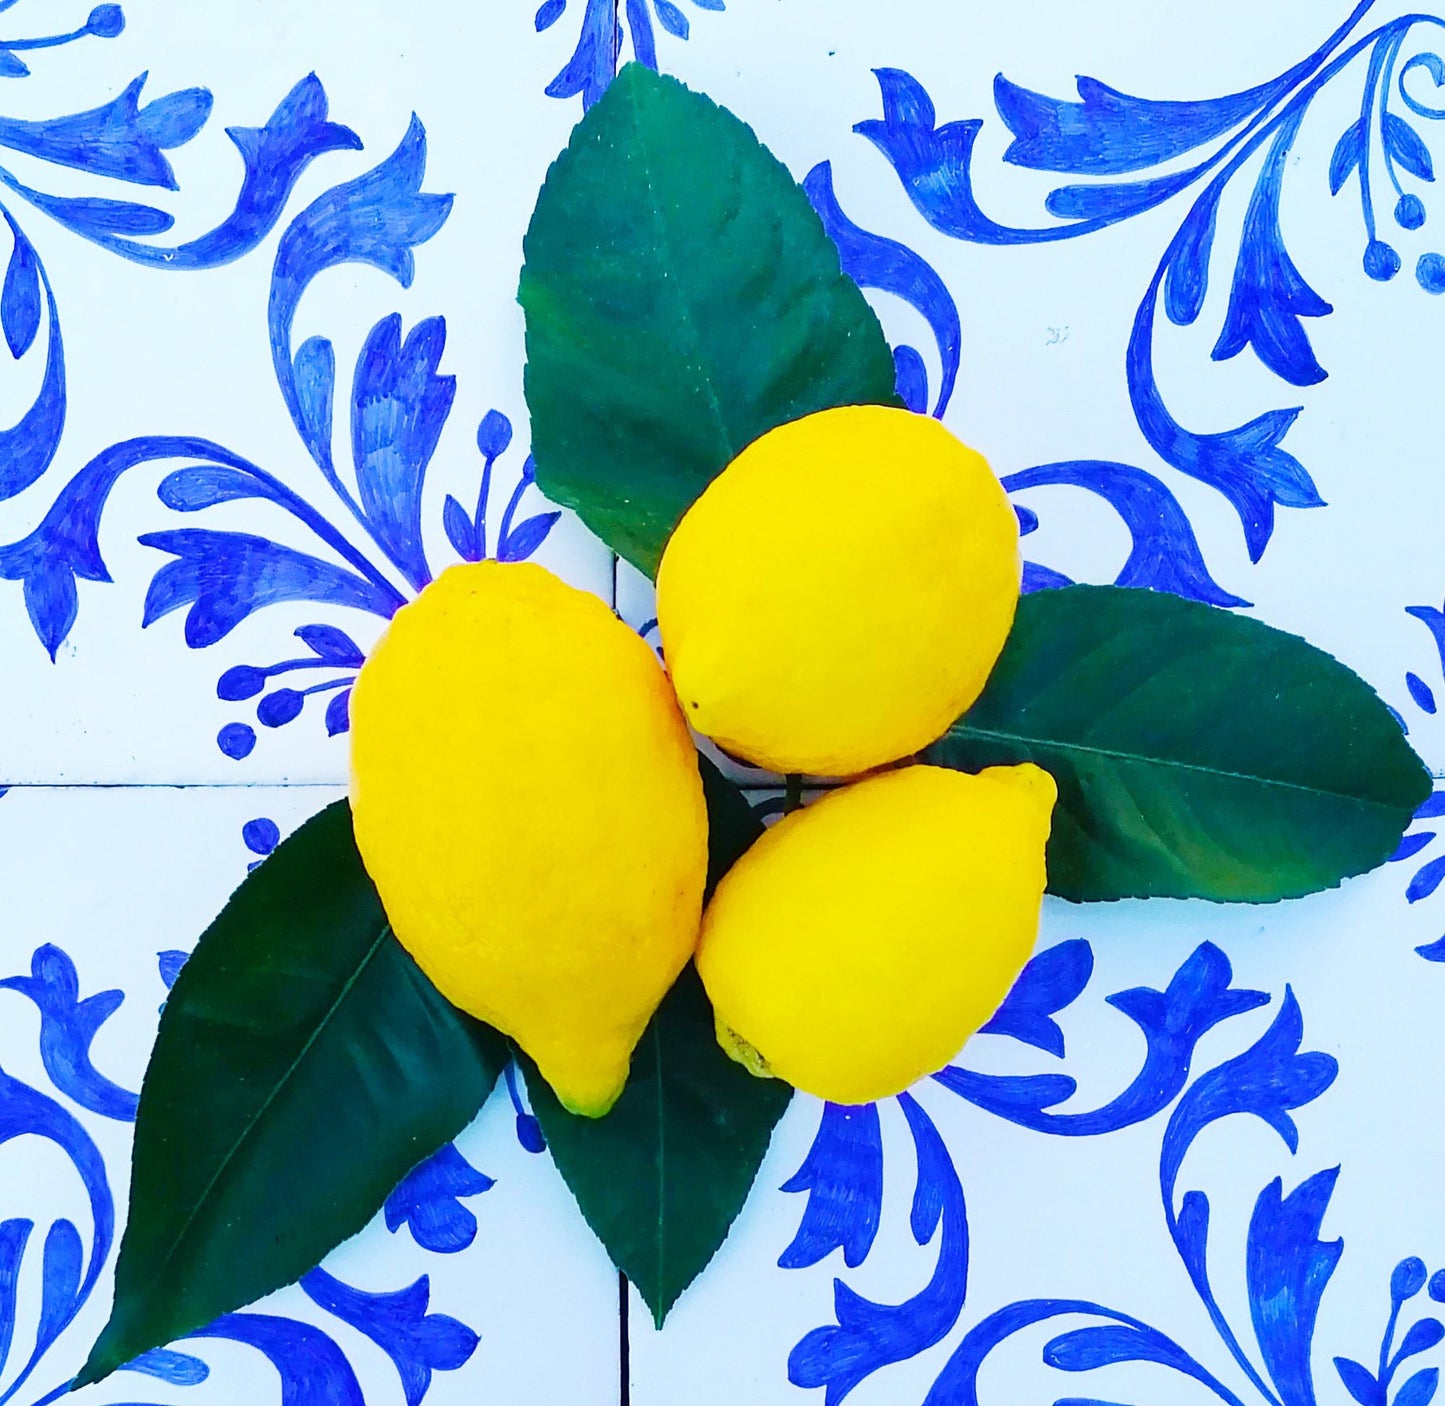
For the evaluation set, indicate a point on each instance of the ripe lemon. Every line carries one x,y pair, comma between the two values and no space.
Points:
861,941
840,592
527,800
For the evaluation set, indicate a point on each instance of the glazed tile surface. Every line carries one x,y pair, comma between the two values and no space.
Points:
263,368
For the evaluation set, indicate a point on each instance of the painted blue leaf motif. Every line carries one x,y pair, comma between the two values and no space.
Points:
1421,692
524,539
639,19
338,714
870,1336
843,1176
418,1343
27,448
20,298
874,262
1411,845
170,964
1086,1349
60,1296
1165,554
1054,979
313,1370
429,1202
93,215
1287,1271
1269,296
1110,132
1433,807
1403,142
1360,1382
461,532
226,576
167,1365
14,1236
12,67
281,707
1432,951
1186,278
594,60
1434,621
399,407
120,139
1348,153
375,219
1426,880
910,379
1420,1389
314,367
68,1026
1108,204
1173,1021
549,13
333,645
671,18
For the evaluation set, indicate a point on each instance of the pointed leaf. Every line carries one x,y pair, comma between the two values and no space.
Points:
304,1065
1198,753
663,1176
682,298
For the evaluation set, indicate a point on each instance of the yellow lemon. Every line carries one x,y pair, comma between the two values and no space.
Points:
861,941
840,593
527,800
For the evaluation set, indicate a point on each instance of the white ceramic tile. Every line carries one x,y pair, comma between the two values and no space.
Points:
162,351
98,883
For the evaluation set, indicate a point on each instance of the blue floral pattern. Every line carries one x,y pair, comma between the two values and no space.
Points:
1120,157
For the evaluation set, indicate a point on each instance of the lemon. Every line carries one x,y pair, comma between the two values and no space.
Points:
861,941
527,800
839,594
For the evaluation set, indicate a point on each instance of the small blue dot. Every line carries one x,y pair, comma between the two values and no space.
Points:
106,21
236,740
261,836
1430,273
1409,212
1382,263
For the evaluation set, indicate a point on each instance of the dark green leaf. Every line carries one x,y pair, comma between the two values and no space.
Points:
1198,753
682,298
304,1065
663,1176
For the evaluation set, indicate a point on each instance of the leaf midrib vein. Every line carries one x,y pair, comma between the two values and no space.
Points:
673,278
1117,754
256,1118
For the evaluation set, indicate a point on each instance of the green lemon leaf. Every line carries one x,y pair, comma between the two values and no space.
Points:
1198,753
682,298
663,1176
304,1065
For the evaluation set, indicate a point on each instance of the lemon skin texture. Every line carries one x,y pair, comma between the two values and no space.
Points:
839,594
861,941
526,799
